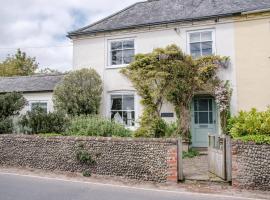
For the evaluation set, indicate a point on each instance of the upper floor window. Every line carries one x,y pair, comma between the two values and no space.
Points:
122,109
201,43
39,104
121,52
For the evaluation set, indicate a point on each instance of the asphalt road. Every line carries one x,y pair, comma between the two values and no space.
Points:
17,187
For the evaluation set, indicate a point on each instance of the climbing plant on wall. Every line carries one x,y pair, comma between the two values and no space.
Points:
170,75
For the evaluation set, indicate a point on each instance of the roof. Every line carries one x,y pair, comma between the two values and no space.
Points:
35,83
155,12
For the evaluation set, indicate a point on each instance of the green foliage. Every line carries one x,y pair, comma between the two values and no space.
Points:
86,173
18,65
96,126
157,128
84,157
38,121
6,126
10,106
79,93
251,126
170,75
190,154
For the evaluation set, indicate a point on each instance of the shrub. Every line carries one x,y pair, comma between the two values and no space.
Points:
38,121
251,126
190,154
96,126
10,105
79,93
6,126
158,128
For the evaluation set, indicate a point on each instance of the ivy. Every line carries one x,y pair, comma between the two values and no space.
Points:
168,74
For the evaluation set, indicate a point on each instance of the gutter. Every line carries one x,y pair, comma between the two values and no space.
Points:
255,11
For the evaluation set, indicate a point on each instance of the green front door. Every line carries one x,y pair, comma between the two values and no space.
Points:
203,120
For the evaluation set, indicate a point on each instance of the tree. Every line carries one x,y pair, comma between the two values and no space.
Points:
79,93
10,105
169,74
18,65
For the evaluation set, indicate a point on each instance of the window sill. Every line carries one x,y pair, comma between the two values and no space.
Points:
116,66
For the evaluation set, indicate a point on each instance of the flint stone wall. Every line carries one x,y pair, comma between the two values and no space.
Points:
142,159
250,166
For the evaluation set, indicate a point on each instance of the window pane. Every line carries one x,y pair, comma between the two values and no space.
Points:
117,57
196,117
210,117
116,45
128,44
195,50
210,104
128,118
206,36
128,102
116,102
128,56
203,117
196,105
203,104
207,48
43,106
194,37
117,116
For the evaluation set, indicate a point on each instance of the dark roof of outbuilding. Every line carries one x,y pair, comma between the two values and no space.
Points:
167,11
35,83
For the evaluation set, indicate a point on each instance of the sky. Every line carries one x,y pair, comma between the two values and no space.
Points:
39,27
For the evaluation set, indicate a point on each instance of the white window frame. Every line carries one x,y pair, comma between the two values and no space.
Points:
123,93
109,57
201,31
38,101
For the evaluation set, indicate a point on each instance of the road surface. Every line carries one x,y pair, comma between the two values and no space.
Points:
19,187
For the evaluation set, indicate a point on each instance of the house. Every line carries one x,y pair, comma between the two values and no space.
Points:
37,89
237,29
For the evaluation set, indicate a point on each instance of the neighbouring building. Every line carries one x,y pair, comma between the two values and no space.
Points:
237,29
37,89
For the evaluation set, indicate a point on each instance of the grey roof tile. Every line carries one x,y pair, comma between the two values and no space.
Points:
162,11
36,83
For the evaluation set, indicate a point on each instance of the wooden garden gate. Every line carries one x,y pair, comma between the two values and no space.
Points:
219,156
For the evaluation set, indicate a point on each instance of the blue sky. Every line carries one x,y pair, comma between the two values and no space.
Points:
39,27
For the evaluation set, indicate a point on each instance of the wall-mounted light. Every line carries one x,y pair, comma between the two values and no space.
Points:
177,30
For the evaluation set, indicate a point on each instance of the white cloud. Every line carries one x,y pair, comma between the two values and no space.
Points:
45,23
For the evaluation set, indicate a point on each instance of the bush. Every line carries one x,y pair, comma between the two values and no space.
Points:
158,128
190,154
79,93
251,126
6,126
96,126
10,105
38,121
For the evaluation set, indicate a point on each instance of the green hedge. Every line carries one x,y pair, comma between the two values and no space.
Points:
251,126
96,126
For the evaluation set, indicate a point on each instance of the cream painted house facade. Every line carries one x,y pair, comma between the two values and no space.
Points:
109,45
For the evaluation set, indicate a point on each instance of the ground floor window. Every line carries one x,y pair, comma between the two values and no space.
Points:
40,104
122,109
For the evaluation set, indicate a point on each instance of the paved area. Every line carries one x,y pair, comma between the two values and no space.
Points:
14,187
197,169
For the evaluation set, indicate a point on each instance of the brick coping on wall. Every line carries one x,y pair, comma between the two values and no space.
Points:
90,138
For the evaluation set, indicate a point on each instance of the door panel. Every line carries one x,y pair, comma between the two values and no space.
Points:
203,120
